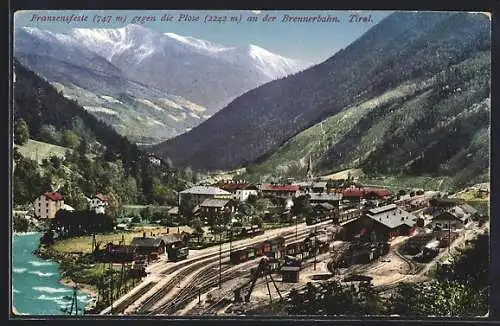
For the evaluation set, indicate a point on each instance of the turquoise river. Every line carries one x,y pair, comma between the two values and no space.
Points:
36,289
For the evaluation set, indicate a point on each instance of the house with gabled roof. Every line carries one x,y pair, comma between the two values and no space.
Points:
333,198
98,203
280,190
383,223
454,218
47,205
147,246
211,209
240,190
198,194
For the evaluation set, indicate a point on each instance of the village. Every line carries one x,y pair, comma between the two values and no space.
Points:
298,231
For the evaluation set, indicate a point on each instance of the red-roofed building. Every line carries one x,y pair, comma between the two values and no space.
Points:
353,194
359,193
281,191
48,204
98,203
379,193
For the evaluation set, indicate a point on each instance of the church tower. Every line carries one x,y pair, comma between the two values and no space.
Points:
310,175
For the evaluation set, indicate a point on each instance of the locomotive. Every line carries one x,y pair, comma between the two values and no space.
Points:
362,253
178,253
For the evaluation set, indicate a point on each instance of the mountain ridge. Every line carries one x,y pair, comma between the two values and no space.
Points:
404,47
77,63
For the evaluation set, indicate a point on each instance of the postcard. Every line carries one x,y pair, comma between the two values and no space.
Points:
240,163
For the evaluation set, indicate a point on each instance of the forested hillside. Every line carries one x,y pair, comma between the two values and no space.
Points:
441,123
394,101
98,158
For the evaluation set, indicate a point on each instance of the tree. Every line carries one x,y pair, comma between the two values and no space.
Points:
188,172
73,196
70,139
16,155
146,213
55,161
186,206
262,204
245,209
21,132
159,216
252,199
257,220
197,225
114,204
21,224
27,181
50,134
301,206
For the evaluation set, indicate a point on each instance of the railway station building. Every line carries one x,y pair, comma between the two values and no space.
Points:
147,246
381,224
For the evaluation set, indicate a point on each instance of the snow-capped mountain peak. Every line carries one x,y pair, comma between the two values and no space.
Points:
197,43
202,71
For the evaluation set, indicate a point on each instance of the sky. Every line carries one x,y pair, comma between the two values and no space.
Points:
309,41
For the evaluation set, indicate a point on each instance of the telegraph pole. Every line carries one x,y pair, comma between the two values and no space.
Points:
220,261
296,227
76,300
230,239
315,246
449,231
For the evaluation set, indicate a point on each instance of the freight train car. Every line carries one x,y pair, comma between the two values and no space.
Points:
272,248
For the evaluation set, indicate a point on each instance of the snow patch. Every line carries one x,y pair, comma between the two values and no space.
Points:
194,115
156,122
174,118
170,103
150,104
111,99
100,109
193,106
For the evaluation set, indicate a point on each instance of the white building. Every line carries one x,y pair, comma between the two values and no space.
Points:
240,190
48,204
98,203
199,193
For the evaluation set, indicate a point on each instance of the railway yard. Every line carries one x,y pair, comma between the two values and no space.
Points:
205,282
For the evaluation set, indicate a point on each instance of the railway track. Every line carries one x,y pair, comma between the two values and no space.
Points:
120,308
206,278
223,297
170,285
413,267
190,266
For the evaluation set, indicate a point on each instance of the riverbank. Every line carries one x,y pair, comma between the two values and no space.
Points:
78,265
92,291
65,260
36,281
